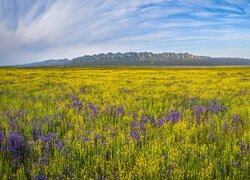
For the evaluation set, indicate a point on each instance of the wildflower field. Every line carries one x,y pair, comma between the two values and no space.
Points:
125,123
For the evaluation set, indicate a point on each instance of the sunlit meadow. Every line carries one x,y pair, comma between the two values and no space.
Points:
125,123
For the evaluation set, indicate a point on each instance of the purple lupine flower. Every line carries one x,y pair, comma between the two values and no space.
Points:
134,124
160,122
67,106
142,128
135,135
50,142
143,120
114,132
135,116
195,99
13,123
237,120
169,172
152,120
40,177
42,160
103,142
198,111
210,136
37,132
97,136
2,137
119,110
20,113
244,148
83,90
59,144
73,97
173,117
107,108
6,113
16,146
93,107
242,145
85,139
78,105
214,108
224,127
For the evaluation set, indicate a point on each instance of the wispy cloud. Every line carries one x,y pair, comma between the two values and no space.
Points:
34,30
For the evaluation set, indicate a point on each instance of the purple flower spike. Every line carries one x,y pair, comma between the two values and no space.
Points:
160,122
135,135
119,110
16,146
59,145
2,137
103,142
93,108
198,111
83,90
143,120
97,136
20,113
40,177
225,127
237,120
85,139
173,117
142,128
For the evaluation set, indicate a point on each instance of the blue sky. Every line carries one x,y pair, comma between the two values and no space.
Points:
35,30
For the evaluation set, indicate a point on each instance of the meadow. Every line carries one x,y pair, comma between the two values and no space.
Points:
125,123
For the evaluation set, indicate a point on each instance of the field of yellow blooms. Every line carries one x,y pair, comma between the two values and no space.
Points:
125,123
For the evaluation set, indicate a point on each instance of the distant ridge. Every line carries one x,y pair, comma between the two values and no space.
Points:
58,62
141,59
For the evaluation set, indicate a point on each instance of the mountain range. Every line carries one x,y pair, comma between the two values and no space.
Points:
141,59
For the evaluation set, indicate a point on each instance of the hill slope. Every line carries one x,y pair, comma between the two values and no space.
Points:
143,58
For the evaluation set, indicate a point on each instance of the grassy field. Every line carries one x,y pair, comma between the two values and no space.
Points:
125,123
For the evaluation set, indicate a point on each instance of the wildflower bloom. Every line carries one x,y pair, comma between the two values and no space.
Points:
83,90
173,117
237,121
50,142
160,122
93,108
198,112
16,146
143,120
2,137
85,139
135,135
119,110
78,105
20,113
40,177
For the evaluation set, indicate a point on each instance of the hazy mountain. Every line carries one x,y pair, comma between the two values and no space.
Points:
58,62
142,58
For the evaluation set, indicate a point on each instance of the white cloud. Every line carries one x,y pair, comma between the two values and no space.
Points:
55,29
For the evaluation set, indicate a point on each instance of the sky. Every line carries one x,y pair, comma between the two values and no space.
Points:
36,30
